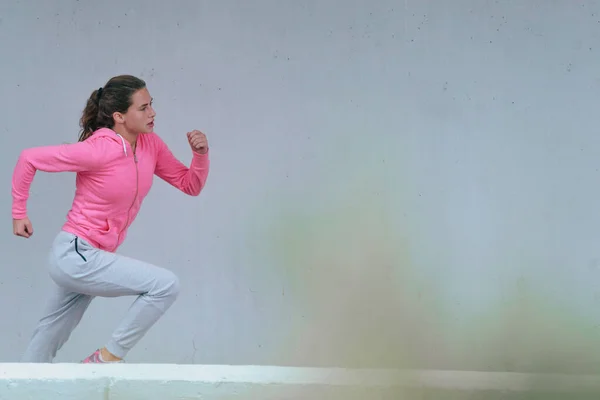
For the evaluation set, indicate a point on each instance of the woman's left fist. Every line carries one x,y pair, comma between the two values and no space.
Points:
198,141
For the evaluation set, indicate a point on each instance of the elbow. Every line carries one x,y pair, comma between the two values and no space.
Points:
25,155
24,160
195,190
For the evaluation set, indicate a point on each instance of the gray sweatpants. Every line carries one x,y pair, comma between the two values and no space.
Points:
82,272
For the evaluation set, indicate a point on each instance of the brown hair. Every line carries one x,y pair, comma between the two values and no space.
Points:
115,96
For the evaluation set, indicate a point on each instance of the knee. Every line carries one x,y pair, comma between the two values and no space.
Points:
175,286
170,285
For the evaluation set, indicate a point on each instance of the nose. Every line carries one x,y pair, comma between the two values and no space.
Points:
152,112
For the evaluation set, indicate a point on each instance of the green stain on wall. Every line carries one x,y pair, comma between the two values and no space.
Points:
354,297
529,330
359,291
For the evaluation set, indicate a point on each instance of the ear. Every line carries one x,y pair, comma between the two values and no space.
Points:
118,118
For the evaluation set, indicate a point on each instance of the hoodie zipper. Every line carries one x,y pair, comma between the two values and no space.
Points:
135,160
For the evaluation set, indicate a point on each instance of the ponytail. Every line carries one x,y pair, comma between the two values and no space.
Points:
115,96
89,117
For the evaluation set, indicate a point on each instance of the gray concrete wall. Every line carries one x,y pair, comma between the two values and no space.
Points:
394,184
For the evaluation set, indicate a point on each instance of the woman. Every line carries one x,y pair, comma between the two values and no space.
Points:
115,159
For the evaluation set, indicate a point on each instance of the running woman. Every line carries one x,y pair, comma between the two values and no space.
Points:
114,160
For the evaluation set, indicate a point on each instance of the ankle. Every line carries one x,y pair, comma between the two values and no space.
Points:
108,356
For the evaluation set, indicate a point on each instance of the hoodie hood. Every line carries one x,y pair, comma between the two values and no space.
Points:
107,132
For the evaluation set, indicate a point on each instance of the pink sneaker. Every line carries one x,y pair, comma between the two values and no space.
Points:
96,358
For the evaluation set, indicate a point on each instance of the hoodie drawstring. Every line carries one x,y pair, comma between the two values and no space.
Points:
124,146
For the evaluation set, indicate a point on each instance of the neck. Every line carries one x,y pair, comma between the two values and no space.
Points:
129,136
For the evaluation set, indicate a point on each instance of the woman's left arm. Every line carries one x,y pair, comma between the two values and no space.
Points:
190,180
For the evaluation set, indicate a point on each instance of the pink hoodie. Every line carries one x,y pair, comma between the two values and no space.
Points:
111,181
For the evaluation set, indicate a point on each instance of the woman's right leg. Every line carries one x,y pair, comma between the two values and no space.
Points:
63,313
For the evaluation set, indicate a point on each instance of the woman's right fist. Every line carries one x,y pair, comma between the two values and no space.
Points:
22,227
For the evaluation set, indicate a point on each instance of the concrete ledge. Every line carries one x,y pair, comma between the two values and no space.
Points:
207,382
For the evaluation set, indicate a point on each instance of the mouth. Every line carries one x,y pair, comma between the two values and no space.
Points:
151,124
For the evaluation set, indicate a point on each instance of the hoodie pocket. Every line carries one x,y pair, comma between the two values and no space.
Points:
106,236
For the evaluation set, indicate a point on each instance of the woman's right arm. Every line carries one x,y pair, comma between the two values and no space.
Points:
76,157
